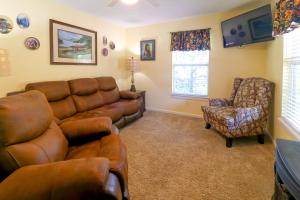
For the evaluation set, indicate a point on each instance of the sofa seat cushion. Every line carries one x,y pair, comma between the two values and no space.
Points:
110,147
221,115
129,106
112,111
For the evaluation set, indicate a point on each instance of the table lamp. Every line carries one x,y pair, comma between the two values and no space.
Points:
132,67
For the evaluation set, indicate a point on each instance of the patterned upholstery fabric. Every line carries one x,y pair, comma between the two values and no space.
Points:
245,113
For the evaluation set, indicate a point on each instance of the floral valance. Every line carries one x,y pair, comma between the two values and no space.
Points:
287,16
191,40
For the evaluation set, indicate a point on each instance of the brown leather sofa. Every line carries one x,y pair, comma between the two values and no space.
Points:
90,97
82,159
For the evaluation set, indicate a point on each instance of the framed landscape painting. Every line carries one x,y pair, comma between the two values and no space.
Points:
72,45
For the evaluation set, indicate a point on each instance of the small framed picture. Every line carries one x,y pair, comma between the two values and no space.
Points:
148,50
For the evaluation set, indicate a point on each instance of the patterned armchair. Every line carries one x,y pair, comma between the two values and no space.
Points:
245,113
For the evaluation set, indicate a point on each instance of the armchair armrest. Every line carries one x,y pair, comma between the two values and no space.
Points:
73,179
249,114
81,128
129,95
220,102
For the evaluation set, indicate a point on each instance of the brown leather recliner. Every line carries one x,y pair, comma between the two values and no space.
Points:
37,163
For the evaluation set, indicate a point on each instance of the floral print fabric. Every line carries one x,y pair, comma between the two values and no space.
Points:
191,40
245,115
287,16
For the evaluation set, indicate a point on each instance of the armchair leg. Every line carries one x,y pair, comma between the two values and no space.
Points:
261,139
228,142
207,126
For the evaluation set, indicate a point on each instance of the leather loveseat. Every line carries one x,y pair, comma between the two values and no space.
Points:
90,97
37,161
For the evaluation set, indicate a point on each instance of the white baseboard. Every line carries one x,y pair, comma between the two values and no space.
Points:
174,112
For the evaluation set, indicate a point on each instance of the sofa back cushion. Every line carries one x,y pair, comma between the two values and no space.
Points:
85,94
108,89
28,134
58,95
254,92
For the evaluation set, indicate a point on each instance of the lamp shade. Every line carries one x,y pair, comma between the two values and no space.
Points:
4,63
132,64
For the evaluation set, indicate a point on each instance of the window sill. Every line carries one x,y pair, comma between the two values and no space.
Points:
290,129
189,97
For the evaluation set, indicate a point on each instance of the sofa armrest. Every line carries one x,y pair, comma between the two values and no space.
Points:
82,128
129,95
73,179
220,102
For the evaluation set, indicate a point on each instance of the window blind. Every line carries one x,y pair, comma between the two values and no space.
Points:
291,80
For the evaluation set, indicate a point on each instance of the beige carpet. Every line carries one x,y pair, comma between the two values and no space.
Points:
174,157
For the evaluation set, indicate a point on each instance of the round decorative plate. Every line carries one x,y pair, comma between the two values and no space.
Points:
112,45
105,52
23,21
32,43
6,25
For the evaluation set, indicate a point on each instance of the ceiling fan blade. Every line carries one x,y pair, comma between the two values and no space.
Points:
113,3
153,3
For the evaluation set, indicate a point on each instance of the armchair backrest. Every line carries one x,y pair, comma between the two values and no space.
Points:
28,133
254,92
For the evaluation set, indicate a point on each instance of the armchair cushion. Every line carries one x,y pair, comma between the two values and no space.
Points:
129,95
85,127
59,181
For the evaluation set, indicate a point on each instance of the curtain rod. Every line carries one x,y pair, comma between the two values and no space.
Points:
192,30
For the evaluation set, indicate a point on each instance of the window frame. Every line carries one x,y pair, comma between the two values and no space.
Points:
190,96
285,122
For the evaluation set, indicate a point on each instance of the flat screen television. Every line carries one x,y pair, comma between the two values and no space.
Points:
251,27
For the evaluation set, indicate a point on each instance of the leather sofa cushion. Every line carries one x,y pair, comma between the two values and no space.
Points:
106,83
54,90
110,96
23,117
88,102
113,112
110,147
129,106
83,86
51,146
63,108
82,128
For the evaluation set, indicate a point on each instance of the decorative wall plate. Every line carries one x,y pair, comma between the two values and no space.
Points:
23,21
112,45
32,43
105,52
6,25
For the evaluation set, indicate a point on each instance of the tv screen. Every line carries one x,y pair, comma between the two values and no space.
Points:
251,27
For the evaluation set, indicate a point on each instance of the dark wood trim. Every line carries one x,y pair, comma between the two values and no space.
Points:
229,142
51,22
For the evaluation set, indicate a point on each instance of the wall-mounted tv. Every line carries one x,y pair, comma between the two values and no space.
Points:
251,27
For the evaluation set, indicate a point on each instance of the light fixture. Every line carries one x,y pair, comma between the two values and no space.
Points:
132,67
129,2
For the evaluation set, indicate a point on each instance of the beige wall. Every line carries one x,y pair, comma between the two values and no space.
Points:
156,76
28,66
274,70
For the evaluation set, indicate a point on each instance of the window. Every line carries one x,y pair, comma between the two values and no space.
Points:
291,80
190,73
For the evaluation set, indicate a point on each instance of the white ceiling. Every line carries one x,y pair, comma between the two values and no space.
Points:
144,13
